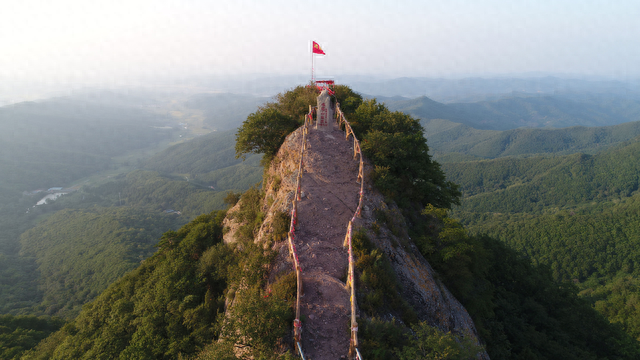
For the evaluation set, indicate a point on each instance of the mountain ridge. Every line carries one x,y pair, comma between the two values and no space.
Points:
531,111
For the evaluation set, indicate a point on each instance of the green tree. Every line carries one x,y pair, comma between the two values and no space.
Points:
295,102
404,170
429,343
263,132
349,100
256,321
164,308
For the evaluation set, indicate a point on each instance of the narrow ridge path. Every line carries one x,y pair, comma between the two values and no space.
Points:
329,198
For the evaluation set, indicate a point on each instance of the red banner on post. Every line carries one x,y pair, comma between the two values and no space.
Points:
317,49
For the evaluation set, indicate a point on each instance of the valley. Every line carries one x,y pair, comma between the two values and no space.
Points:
99,148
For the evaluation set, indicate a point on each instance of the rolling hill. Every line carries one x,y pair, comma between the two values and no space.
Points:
528,111
453,142
474,89
575,214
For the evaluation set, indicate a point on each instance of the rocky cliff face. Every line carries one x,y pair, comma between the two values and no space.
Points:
329,199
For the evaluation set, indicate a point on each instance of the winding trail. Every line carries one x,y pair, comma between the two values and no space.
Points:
329,199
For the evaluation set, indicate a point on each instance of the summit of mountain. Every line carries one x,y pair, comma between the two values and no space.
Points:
329,200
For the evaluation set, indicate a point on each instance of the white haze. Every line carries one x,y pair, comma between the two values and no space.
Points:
52,45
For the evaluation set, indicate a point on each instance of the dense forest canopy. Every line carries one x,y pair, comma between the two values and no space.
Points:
449,140
532,184
81,252
577,214
163,308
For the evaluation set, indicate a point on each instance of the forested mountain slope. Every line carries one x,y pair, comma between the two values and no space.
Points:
81,252
527,111
577,214
224,111
598,239
155,192
201,157
60,140
93,236
452,142
164,307
533,184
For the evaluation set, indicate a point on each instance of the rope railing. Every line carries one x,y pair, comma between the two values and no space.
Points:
354,353
297,325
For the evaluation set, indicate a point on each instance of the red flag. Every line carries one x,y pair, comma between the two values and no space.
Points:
317,49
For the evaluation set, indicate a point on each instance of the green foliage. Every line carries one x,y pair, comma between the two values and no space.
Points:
536,307
577,214
164,308
380,339
81,252
169,307
280,225
404,171
73,255
18,284
155,192
378,288
54,143
349,100
257,321
448,248
533,184
20,333
275,185
521,311
600,239
285,288
63,273
428,342
232,198
199,156
249,214
263,132
455,142
616,297
218,350
295,102
518,308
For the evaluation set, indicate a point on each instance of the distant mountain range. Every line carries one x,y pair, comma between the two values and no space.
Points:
530,111
475,89
225,111
449,141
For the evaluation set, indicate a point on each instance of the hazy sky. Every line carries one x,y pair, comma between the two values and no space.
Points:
95,40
